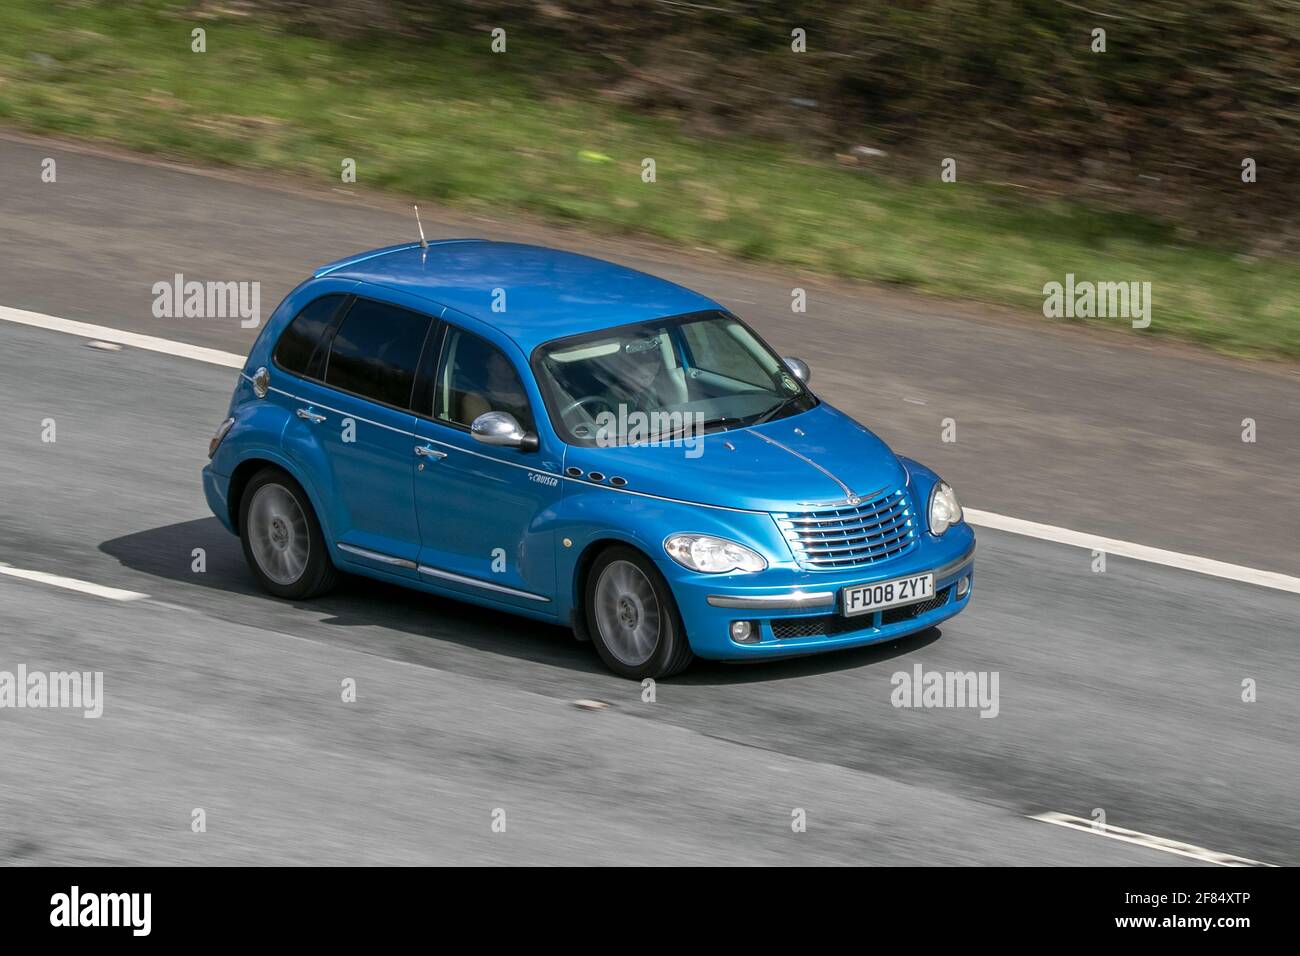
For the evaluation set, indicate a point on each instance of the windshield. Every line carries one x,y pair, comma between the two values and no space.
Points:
660,380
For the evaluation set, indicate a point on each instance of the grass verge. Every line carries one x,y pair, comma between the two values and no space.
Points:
460,125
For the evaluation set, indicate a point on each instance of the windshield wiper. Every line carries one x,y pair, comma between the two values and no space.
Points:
776,409
690,427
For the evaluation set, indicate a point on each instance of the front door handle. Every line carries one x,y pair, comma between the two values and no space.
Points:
426,451
306,414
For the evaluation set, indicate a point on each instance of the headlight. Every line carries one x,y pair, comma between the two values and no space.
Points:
702,552
945,509
222,429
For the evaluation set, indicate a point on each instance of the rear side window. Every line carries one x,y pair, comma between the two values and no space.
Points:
376,351
298,342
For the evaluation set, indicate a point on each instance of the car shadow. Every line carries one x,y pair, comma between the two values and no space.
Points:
168,552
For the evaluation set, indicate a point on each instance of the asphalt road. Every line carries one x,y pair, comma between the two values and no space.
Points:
1119,691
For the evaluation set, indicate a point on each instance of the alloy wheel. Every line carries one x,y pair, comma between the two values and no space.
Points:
277,533
627,613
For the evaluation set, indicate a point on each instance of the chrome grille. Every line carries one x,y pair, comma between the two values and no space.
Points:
848,536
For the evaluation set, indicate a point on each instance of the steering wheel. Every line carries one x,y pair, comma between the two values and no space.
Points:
574,406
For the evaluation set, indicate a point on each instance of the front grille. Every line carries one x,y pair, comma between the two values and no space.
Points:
832,625
849,536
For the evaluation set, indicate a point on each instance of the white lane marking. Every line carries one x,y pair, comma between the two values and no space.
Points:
133,339
1147,840
1139,552
72,584
982,519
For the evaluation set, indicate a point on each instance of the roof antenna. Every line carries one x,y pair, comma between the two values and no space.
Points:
424,243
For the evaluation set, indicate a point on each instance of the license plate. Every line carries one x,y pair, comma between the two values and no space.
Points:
864,598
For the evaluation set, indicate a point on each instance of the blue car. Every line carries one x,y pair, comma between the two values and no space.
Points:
580,443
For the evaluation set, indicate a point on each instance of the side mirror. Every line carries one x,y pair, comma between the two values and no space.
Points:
799,368
502,429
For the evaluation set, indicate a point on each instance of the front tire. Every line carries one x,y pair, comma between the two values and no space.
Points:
282,539
632,617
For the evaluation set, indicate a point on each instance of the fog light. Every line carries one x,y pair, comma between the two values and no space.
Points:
744,632
963,586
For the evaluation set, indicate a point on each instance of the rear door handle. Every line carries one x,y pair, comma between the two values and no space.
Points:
425,451
306,414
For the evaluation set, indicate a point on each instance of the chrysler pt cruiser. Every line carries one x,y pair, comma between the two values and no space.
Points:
580,443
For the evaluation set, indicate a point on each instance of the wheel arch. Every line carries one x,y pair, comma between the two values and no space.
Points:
582,568
243,473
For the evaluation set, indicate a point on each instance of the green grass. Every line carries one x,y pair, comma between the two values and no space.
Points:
456,124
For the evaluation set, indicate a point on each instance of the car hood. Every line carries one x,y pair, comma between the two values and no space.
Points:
815,458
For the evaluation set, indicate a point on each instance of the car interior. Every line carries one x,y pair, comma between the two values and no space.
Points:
714,367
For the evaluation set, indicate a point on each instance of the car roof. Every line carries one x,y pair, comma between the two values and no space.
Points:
549,293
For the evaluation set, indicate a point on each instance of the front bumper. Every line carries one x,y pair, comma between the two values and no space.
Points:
797,611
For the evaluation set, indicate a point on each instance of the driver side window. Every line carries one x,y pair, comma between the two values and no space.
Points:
475,377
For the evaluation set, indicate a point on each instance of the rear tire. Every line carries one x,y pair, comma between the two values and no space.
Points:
282,539
632,617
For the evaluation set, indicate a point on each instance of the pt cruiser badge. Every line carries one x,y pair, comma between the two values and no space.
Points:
390,423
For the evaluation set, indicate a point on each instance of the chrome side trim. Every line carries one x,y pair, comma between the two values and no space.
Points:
512,464
848,492
339,411
475,582
954,566
768,602
376,556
